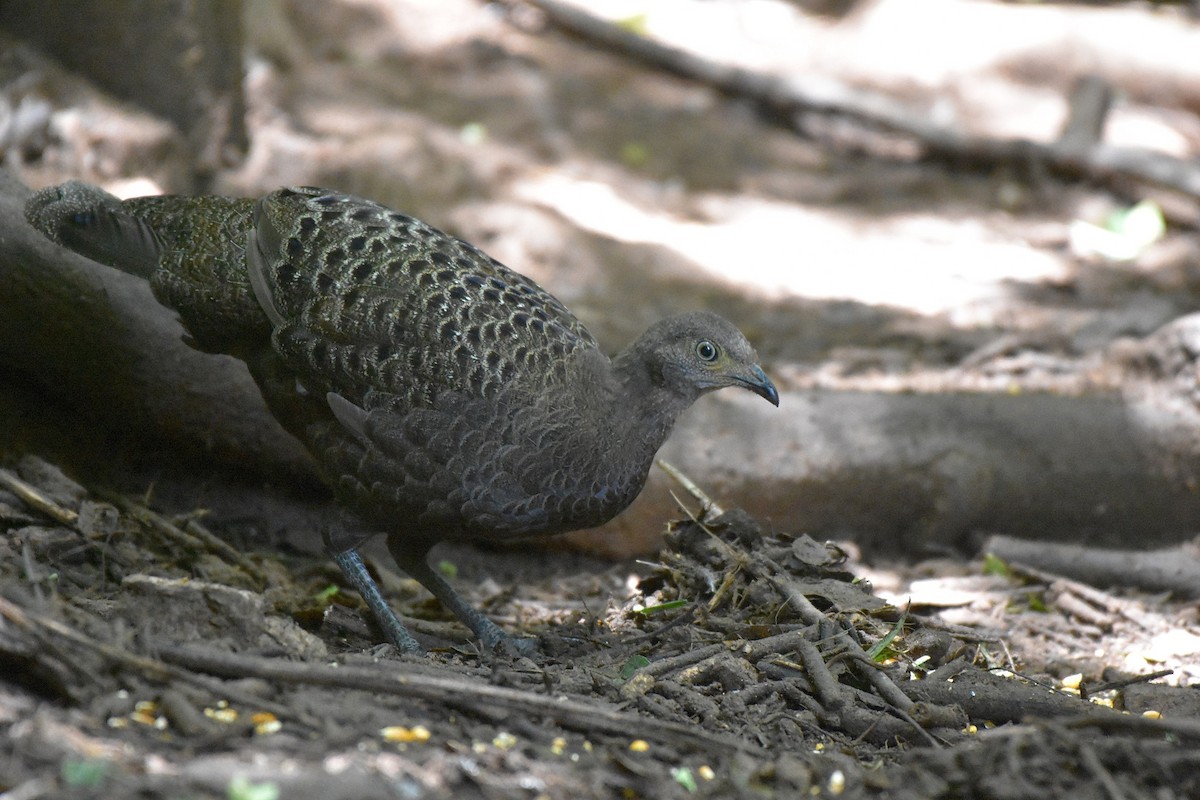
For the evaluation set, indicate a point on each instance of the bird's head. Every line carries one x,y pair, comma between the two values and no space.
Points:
694,353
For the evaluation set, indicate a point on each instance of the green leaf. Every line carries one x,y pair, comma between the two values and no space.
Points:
240,788
881,651
994,565
633,665
1143,224
634,154
634,23
86,774
684,777
670,605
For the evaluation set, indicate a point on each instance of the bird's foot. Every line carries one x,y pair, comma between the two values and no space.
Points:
356,572
493,640
513,647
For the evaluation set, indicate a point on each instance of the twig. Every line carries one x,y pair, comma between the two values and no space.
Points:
195,536
1092,763
664,666
1108,686
1091,100
39,502
1183,728
581,716
708,507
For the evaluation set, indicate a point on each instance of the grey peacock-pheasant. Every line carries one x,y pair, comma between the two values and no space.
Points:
443,395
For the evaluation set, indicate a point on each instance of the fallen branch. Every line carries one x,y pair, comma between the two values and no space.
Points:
1175,569
989,698
1078,155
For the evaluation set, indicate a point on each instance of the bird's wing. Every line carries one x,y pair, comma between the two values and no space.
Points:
365,299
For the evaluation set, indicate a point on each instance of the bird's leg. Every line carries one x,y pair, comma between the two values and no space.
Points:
352,567
414,562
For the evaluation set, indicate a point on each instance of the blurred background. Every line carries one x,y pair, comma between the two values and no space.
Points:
954,229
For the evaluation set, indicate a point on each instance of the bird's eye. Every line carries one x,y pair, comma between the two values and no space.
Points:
706,350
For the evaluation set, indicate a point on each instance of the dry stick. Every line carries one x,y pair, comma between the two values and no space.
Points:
793,96
195,537
842,702
466,693
30,496
154,670
883,685
1108,686
1187,728
984,696
899,703
1091,762
827,688
779,643
686,618
708,507
664,666
1071,604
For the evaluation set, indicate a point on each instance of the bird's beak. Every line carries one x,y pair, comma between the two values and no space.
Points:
758,382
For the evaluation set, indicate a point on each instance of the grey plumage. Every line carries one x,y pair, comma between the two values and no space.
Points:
444,395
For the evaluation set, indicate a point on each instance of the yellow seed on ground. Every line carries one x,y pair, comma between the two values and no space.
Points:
405,735
504,740
705,772
1152,714
266,723
222,714
639,745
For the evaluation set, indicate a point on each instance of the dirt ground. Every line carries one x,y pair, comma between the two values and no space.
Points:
169,630
145,656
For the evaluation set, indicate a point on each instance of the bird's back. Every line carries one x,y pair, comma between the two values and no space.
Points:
368,301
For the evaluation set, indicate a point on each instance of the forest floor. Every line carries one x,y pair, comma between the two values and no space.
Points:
145,656
205,649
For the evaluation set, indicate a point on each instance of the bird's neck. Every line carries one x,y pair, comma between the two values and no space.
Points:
644,410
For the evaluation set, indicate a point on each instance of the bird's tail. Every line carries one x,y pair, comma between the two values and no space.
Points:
192,250
94,223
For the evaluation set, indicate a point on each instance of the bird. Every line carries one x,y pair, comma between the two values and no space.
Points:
442,395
